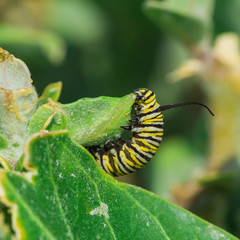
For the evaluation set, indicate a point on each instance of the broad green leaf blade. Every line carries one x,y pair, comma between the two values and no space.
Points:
3,142
90,121
93,121
187,20
53,91
67,196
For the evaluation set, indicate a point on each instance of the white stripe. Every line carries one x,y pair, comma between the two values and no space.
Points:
150,116
105,167
128,166
154,137
153,123
139,157
114,153
131,151
146,129
156,144
147,154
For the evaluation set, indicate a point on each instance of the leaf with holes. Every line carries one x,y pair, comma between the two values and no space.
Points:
65,195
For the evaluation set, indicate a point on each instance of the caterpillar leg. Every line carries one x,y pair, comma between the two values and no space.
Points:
109,144
135,119
128,128
122,157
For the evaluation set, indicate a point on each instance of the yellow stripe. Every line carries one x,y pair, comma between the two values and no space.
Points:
159,117
143,141
152,120
151,99
116,166
143,149
157,134
107,164
132,155
152,108
124,158
152,131
148,93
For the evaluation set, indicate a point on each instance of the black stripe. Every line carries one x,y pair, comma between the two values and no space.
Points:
143,144
111,171
148,137
121,162
143,125
144,93
151,131
149,150
149,118
151,106
111,161
148,96
139,153
150,112
128,156
101,164
144,153
135,150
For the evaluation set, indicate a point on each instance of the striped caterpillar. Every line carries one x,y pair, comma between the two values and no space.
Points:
123,157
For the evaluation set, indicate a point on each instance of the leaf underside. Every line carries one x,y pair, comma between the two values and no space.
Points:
90,121
70,197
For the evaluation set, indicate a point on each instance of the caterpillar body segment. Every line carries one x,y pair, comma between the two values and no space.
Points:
124,157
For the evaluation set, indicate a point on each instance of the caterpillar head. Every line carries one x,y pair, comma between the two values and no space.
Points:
144,99
144,96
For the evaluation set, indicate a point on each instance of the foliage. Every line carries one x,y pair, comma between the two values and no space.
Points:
101,47
65,195
216,63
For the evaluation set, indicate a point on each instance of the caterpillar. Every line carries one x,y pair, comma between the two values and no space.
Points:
122,157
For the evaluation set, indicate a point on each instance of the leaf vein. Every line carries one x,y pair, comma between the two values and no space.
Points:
147,211
56,192
30,212
95,186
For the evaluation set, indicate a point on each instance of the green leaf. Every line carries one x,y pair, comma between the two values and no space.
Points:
52,91
187,20
18,100
90,121
3,142
67,196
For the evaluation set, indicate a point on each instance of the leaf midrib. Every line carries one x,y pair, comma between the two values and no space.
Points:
94,184
56,192
29,210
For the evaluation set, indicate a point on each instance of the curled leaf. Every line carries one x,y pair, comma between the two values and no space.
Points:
17,104
90,121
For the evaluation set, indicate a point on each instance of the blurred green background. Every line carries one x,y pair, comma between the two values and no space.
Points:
104,47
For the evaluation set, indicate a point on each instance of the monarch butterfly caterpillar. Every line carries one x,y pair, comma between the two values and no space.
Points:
123,157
